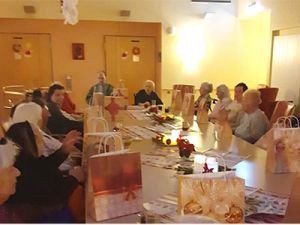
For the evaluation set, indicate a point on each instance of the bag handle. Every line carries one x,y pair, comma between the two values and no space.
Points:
115,138
285,119
104,123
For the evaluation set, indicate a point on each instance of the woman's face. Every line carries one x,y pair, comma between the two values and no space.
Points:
8,179
58,96
220,94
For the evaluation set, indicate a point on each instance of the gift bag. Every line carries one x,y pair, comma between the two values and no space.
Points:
184,88
117,184
202,113
220,196
283,147
188,108
98,99
222,127
176,102
114,108
121,92
91,112
96,124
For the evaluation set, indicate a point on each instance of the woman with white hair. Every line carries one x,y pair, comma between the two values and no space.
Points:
254,122
223,95
147,96
205,90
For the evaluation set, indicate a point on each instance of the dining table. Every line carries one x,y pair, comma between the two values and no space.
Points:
161,181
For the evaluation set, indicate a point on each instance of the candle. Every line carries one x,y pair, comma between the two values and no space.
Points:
212,163
199,163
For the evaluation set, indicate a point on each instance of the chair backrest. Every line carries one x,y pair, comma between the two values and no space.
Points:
282,108
97,124
12,95
268,97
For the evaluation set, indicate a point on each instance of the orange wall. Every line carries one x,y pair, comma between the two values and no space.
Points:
91,33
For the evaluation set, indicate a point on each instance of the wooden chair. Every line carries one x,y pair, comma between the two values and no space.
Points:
12,95
282,108
268,96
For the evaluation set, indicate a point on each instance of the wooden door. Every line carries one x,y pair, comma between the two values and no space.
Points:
131,59
25,59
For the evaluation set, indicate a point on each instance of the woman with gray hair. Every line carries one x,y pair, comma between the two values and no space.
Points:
205,90
147,96
254,122
223,95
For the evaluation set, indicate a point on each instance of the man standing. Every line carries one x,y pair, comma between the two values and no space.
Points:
102,87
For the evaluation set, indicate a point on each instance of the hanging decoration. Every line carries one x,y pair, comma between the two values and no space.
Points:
28,50
136,51
69,11
17,47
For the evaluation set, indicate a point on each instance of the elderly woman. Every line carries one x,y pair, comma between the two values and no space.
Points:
102,86
60,122
254,122
205,90
147,96
41,188
223,95
33,113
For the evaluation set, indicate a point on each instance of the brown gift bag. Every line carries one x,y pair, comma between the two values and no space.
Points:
283,147
222,127
113,108
116,183
188,108
121,92
176,102
98,99
202,113
220,196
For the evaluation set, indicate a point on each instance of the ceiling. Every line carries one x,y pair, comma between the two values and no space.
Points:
165,11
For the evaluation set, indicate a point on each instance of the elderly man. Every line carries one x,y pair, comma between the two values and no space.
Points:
254,122
102,86
147,96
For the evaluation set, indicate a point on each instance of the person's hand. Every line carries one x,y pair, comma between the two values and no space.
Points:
70,139
78,173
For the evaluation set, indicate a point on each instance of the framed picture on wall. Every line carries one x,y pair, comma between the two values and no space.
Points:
78,51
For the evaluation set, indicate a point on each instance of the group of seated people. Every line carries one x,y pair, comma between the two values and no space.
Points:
247,121
43,166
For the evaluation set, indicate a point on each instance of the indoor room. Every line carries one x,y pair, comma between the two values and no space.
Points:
149,111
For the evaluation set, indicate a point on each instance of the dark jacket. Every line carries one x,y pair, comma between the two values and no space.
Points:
40,182
142,97
58,123
107,91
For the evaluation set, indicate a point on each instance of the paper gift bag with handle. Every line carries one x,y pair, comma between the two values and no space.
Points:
220,196
188,108
117,184
176,102
283,147
121,92
202,113
98,99
114,108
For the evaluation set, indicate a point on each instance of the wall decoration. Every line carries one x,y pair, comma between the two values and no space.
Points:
69,11
124,55
136,51
28,50
78,51
17,47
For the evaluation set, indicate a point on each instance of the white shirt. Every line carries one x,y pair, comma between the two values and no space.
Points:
252,126
221,103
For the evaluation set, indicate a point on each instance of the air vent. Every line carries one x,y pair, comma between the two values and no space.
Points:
29,9
212,1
